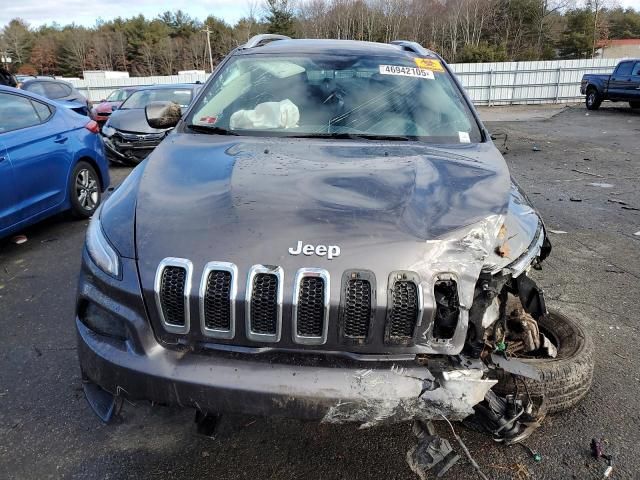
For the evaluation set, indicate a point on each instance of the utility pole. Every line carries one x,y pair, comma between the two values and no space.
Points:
208,32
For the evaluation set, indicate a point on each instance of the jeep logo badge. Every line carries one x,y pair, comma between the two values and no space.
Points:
330,251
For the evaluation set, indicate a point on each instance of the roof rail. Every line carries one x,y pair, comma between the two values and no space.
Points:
263,39
414,47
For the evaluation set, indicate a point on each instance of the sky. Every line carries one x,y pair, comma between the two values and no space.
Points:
86,12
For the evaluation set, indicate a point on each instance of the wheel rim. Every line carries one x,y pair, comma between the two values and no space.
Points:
86,189
591,98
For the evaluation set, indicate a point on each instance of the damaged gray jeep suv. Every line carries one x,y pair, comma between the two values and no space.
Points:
328,233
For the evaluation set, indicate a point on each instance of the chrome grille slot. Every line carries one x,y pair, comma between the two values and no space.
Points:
264,304
172,288
217,300
311,306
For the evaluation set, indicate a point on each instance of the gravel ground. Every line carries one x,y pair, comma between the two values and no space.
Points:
47,430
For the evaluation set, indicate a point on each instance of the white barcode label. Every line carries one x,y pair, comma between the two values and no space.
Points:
406,71
464,137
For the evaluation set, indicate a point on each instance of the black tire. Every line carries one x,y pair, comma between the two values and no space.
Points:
567,378
634,104
593,100
85,190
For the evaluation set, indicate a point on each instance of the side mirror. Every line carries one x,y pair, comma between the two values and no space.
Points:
162,115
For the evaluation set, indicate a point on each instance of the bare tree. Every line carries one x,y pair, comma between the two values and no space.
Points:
17,40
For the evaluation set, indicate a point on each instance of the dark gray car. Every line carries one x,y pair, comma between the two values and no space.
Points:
57,90
327,233
128,138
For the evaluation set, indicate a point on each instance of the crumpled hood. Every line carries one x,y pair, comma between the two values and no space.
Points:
133,120
199,193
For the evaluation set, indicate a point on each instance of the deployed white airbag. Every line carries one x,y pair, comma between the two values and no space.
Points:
284,114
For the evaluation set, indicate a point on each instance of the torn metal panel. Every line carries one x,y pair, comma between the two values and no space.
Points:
515,366
453,393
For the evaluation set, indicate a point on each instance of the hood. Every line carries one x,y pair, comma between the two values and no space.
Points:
133,120
248,201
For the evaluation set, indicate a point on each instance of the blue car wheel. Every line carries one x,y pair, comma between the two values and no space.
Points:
84,190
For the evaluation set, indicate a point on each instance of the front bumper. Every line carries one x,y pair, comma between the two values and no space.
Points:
128,151
368,393
334,395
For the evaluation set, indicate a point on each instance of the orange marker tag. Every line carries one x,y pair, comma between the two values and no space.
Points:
429,64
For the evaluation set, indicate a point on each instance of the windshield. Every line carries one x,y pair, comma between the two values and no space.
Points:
142,98
339,95
117,96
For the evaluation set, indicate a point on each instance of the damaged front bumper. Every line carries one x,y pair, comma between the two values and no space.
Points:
125,147
221,383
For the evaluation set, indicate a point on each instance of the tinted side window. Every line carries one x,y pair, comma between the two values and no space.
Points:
56,90
43,111
16,112
636,70
624,69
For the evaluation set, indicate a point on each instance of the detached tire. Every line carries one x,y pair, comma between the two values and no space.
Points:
566,379
84,190
593,99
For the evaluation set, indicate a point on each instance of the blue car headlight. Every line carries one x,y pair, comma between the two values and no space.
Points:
99,248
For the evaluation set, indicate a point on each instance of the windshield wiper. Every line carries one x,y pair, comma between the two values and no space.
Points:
211,129
355,136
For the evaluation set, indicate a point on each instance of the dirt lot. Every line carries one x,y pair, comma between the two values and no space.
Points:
581,170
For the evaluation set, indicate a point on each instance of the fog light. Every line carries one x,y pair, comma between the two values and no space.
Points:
102,321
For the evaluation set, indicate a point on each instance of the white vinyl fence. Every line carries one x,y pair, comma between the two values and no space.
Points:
505,83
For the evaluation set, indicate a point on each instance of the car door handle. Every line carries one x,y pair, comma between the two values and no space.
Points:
61,140
2,158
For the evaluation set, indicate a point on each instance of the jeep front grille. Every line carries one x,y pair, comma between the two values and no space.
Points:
311,306
217,299
217,308
264,304
404,310
172,288
357,309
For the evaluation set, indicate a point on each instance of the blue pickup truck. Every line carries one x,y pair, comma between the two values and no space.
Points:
623,85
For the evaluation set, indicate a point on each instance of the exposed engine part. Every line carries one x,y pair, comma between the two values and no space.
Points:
430,452
486,310
524,328
520,334
447,309
499,415
531,296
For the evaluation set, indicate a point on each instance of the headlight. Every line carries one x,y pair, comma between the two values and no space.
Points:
108,131
100,251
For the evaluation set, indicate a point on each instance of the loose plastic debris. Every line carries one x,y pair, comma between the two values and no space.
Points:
430,452
19,239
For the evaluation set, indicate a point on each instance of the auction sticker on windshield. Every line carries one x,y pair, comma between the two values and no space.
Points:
406,71
429,64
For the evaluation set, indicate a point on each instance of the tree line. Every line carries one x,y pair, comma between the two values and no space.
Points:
460,30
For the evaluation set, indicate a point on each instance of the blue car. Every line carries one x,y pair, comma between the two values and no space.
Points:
51,160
